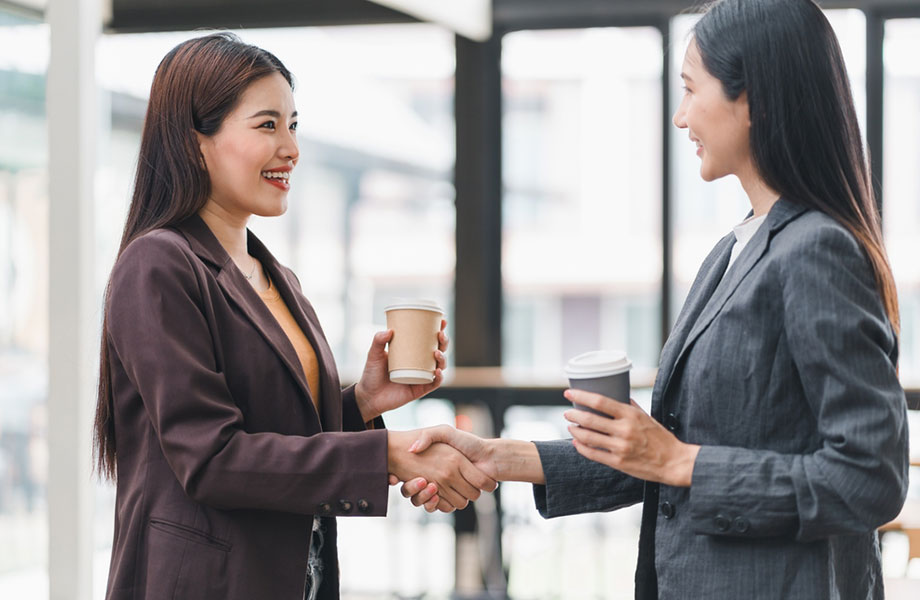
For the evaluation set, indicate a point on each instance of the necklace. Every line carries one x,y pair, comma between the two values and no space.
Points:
251,271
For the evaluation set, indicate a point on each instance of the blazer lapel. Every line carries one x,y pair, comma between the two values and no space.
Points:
240,291
707,279
330,386
715,290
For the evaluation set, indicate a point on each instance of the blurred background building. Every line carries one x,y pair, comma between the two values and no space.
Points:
528,179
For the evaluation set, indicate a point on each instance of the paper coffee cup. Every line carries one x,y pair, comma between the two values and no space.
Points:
604,372
415,324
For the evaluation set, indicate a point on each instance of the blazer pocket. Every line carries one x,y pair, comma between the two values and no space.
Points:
184,563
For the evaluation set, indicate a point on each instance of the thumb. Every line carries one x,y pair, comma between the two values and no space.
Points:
427,437
378,344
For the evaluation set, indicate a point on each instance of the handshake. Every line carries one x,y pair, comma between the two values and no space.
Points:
442,468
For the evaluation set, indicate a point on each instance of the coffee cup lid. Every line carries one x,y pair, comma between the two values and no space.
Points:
414,304
597,363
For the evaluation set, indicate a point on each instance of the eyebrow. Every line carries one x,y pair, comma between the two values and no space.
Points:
686,77
271,113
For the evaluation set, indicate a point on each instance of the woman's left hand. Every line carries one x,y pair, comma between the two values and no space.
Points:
631,441
376,394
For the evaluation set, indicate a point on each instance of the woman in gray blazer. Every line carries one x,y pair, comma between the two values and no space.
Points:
777,440
236,447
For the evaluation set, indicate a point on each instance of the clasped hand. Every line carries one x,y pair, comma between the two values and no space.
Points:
443,475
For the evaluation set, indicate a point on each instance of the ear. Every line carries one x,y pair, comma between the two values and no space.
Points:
204,147
743,109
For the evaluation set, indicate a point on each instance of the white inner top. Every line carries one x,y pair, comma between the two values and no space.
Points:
744,231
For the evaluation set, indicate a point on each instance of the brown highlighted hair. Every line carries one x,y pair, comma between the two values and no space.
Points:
197,84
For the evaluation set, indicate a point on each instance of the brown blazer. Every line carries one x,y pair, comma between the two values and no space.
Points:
222,460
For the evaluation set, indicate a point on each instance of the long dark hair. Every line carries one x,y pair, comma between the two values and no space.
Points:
805,138
196,85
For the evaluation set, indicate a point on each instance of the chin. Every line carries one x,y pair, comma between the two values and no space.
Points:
272,211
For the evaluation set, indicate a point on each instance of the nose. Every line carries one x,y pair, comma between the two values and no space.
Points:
679,119
288,148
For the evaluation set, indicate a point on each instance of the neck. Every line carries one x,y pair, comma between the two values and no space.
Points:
230,231
761,196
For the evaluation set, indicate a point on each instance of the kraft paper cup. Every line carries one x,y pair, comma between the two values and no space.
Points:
604,372
415,324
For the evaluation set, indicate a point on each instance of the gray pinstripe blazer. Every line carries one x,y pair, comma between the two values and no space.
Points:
784,372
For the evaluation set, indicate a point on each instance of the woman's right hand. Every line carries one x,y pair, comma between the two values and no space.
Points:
456,479
500,459
477,451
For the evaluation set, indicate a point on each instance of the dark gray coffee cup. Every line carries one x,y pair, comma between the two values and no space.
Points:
604,372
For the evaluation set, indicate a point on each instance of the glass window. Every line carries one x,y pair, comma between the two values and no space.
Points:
581,264
23,308
581,254
901,208
371,217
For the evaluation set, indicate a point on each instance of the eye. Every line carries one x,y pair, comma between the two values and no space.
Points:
686,89
268,125
294,126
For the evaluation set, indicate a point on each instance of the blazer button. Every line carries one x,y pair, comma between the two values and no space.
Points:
325,509
740,524
345,506
364,506
671,422
722,523
667,510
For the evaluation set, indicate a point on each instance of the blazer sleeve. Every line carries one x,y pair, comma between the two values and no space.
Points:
844,351
158,329
575,484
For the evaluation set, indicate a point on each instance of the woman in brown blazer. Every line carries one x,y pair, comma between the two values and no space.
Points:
236,447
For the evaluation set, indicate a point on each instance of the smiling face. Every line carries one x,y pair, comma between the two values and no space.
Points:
250,158
719,127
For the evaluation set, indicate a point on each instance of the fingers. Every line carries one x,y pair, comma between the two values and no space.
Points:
442,337
393,479
591,421
477,479
599,403
600,456
378,344
413,487
432,504
426,437
594,439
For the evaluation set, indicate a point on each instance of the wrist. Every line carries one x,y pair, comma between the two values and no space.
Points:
516,460
683,469
365,406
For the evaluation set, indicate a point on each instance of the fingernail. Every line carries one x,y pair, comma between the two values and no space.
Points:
414,446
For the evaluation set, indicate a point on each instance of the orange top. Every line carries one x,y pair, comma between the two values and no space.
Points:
302,346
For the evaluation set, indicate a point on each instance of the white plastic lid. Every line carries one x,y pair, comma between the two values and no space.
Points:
597,363
414,304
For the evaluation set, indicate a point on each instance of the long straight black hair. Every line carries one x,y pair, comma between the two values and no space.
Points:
197,84
805,138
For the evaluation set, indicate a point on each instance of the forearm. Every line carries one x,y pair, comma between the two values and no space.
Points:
516,460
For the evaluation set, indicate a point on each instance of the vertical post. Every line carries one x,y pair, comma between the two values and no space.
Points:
667,242
478,281
478,184
71,94
875,98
